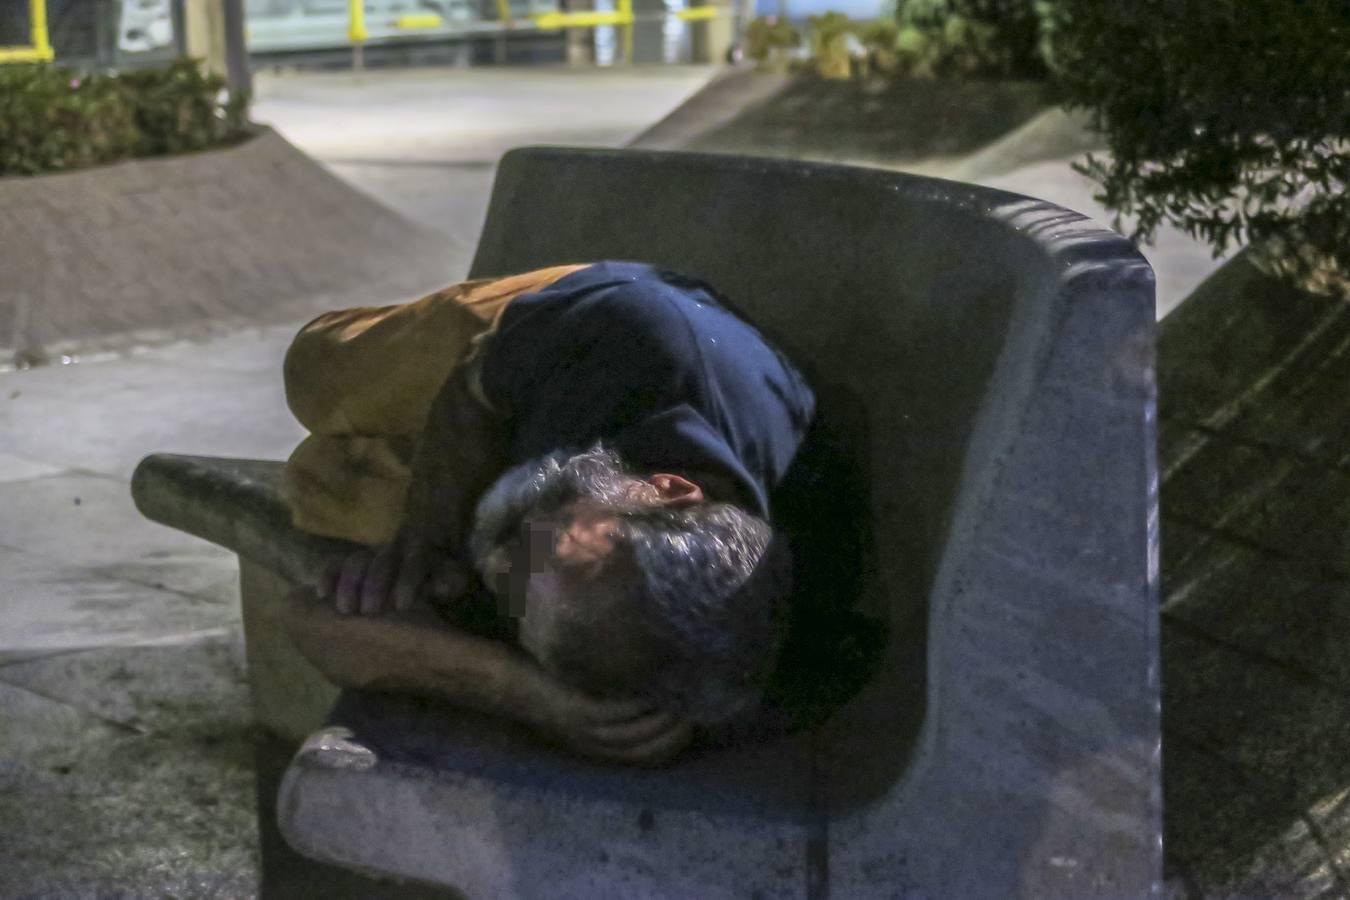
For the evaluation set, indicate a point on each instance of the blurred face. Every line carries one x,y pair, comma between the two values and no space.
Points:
544,529
555,570
548,550
544,534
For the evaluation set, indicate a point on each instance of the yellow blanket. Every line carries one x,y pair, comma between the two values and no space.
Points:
362,381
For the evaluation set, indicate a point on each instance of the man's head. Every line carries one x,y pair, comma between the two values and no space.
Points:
630,585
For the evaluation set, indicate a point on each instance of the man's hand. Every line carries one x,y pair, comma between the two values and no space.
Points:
392,653
630,731
459,453
392,577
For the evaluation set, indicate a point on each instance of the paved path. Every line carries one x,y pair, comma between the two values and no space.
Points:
125,753
426,142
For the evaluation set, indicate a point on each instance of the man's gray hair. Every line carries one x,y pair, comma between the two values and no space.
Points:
545,485
713,583
689,611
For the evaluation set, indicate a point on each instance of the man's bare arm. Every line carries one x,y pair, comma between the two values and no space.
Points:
407,653
459,453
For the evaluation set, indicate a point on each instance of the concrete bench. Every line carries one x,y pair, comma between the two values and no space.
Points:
1000,352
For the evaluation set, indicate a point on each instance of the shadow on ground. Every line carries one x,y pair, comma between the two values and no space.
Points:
128,771
1256,580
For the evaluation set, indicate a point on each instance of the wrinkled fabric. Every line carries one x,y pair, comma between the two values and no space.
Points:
653,364
362,381
649,362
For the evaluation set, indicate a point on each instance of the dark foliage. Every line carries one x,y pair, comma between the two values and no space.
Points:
972,38
55,119
1227,118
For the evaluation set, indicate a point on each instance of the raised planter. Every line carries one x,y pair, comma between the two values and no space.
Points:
254,232
879,121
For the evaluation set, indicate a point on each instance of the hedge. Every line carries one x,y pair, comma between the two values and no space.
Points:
55,119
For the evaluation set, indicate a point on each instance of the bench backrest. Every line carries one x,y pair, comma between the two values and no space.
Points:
1000,349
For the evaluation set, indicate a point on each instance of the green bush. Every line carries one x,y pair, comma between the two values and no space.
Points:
880,37
830,44
922,14
55,119
1227,118
768,41
972,38
1012,32
937,39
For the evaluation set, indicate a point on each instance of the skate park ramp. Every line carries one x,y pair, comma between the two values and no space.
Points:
887,123
184,246
1005,135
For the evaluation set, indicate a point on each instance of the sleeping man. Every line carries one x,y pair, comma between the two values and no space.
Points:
593,448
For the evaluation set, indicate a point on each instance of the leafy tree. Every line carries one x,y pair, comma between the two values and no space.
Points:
769,40
1227,118
988,37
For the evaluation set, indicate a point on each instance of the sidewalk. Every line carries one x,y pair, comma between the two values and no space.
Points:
426,144
126,757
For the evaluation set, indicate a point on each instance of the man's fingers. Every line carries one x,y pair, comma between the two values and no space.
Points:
664,747
636,732
328,578
659,749
412,575
600,713
449,581
378,580
347,596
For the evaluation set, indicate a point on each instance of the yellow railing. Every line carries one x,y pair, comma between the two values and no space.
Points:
622,16
699,13
40,50
356,27
418,21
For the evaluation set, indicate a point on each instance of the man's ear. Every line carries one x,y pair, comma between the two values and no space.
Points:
675,490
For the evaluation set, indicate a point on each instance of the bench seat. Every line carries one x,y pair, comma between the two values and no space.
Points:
1000,350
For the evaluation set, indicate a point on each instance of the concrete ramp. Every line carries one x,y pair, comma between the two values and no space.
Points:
254,233
715,106
880,122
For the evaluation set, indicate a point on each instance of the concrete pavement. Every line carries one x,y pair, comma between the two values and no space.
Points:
426,141
126,756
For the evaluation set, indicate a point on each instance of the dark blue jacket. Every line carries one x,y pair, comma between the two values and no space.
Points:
653,365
